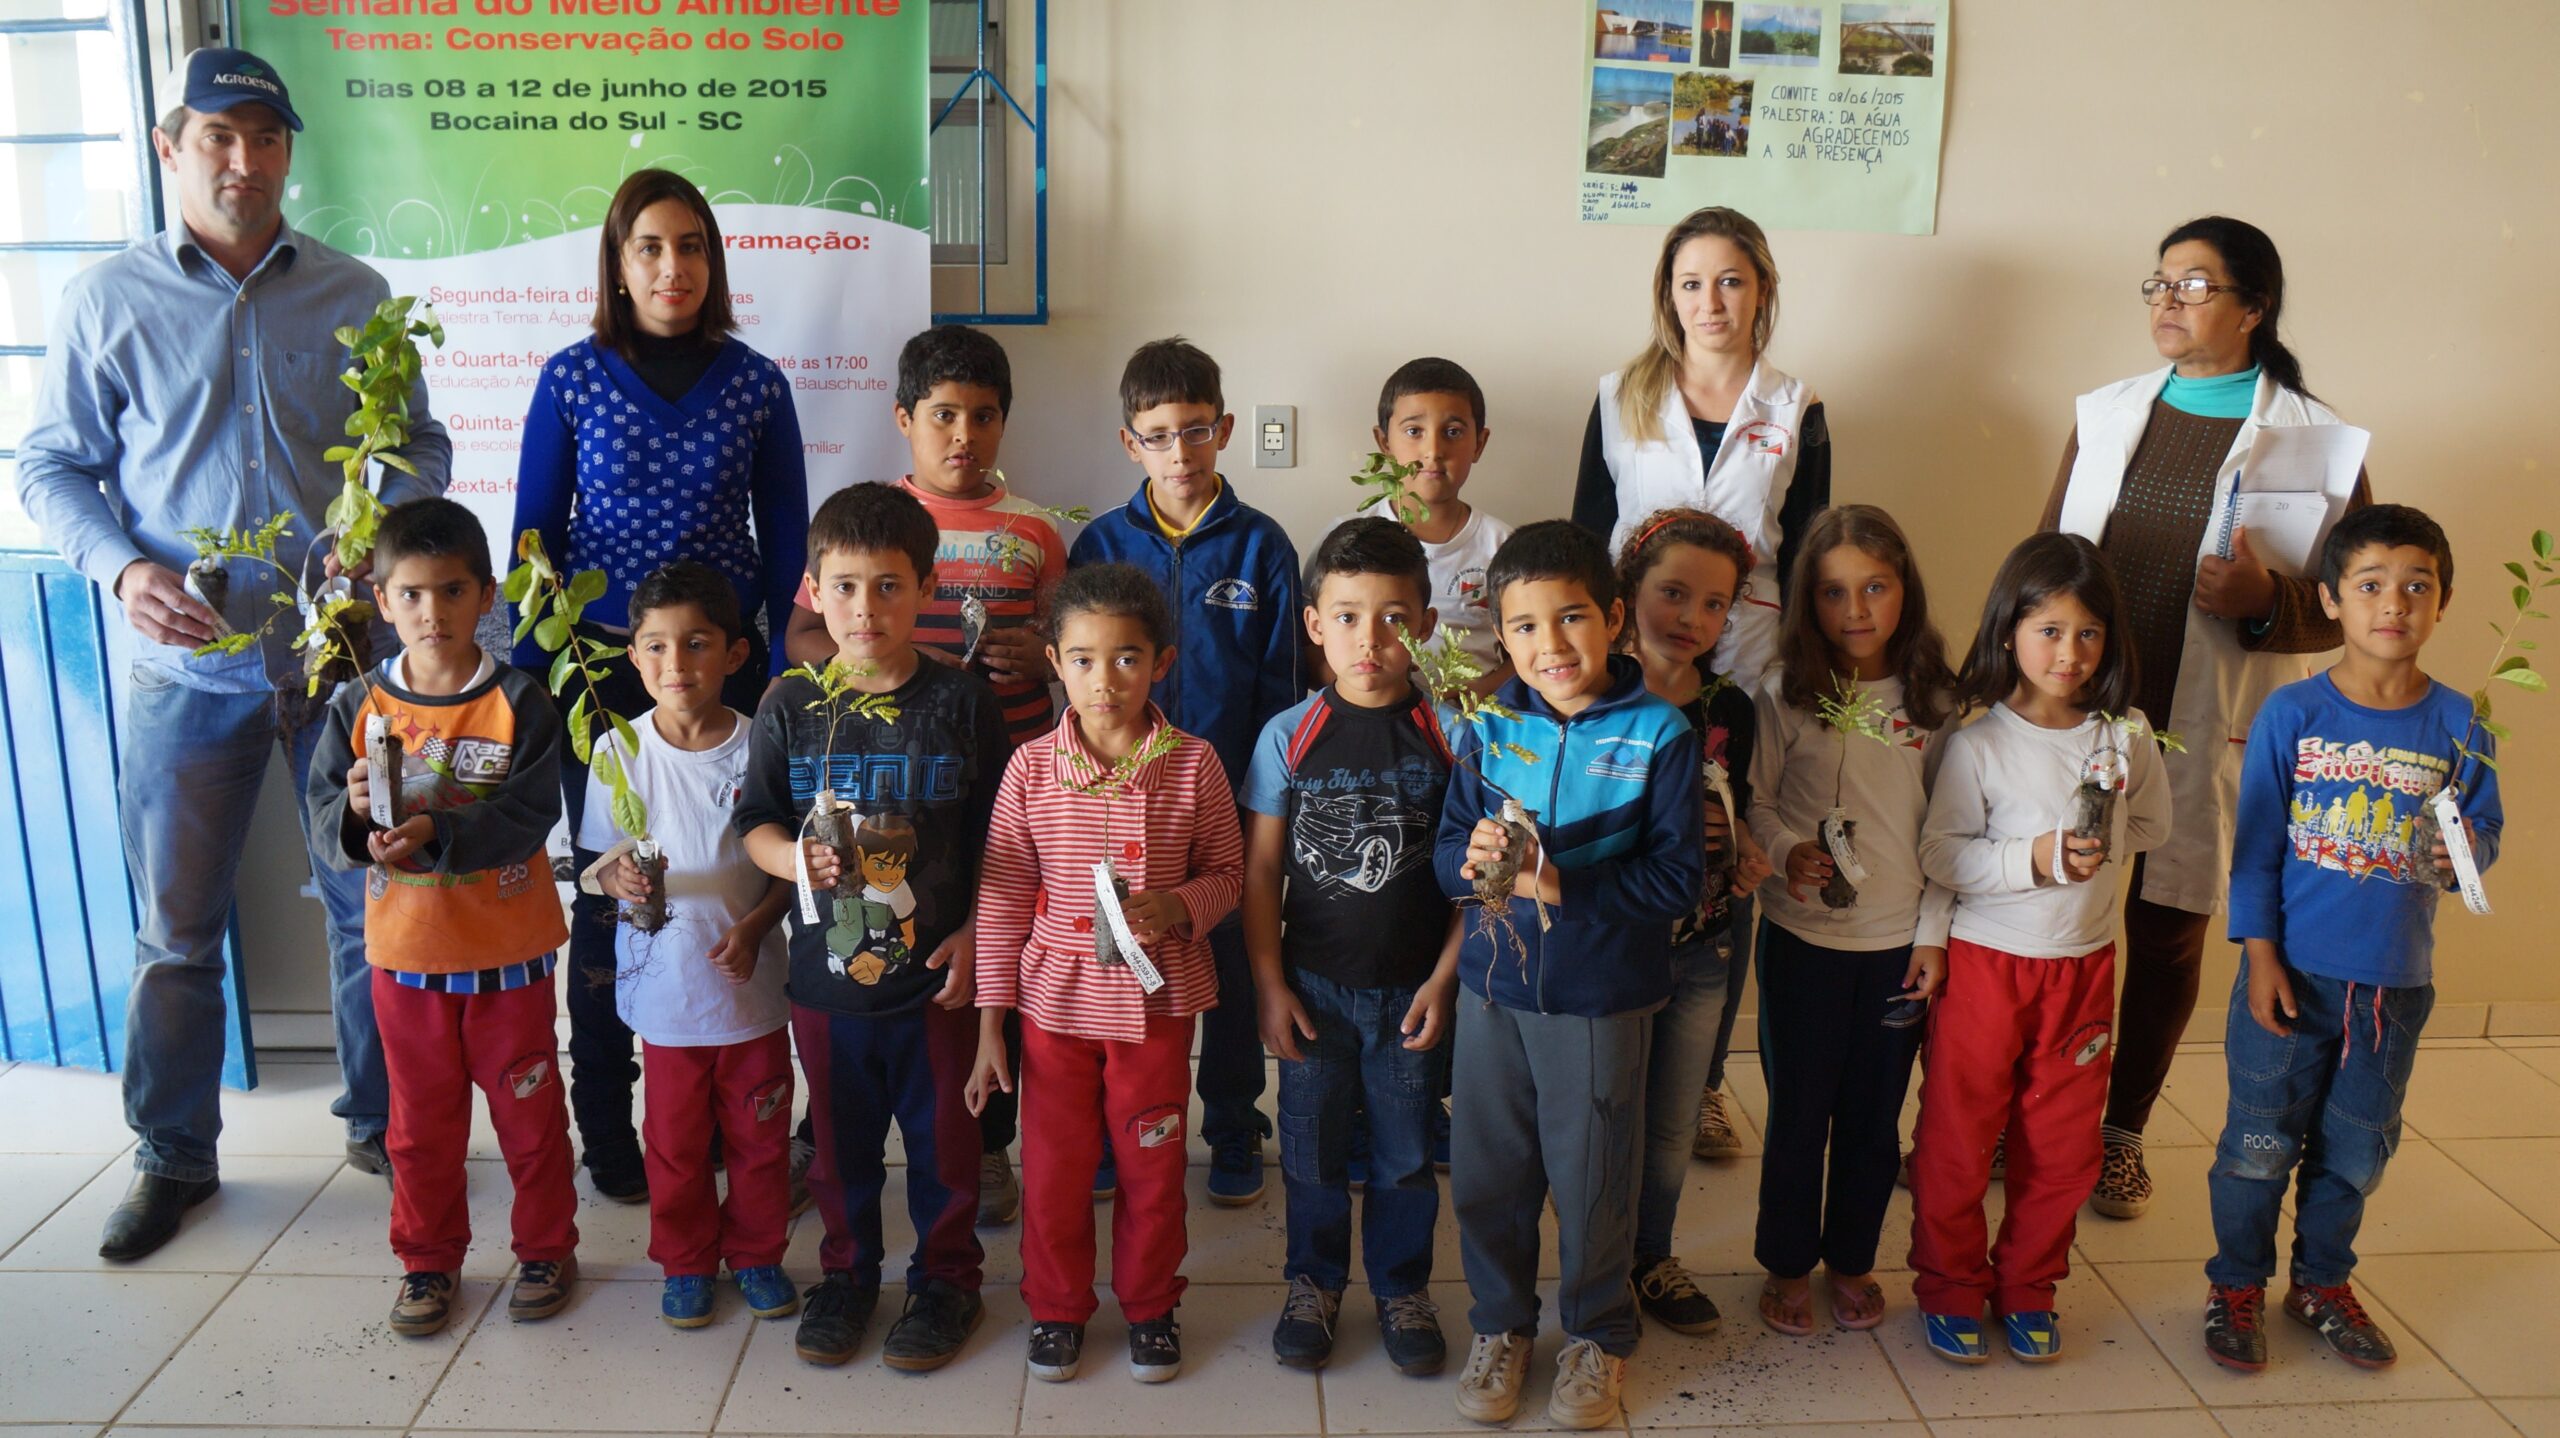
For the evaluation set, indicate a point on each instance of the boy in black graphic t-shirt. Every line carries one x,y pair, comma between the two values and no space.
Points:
1344,791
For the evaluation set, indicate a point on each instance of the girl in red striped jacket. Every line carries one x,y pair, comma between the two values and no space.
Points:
1107,998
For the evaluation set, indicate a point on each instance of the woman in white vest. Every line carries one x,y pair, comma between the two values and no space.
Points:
1699,420
2146,475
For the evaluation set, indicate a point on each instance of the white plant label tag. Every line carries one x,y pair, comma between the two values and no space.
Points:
1720,784
382,789
2457,847
800,863
1106,898
1835,837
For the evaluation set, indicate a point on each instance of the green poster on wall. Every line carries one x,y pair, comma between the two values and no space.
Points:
469,150
1804,116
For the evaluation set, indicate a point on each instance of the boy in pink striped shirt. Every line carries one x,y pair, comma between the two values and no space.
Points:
1106,1037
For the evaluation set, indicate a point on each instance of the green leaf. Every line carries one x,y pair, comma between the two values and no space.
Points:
2495,731
622,734
608,767
396,462
2524,679
2542,544
561,665
362,420
552,632
2533,614
513,587
346,335
630,815
337,454
2518,571
2523,596
587,586
2512,661
2527,644
605,653
580,724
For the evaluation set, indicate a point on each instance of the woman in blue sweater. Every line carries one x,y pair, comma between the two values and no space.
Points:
659,437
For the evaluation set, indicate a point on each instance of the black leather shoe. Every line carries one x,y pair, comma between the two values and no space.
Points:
148,1217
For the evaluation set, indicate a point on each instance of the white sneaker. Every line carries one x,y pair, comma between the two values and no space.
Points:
1587,1384
1497,1369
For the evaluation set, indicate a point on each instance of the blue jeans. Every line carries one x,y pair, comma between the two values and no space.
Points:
1684,1050
1357,1059
2321,1105
1230,1079
193,764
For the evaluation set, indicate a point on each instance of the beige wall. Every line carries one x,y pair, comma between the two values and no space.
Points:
1316,191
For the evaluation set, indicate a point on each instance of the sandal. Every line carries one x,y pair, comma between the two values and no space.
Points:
1857,1301
1783,1313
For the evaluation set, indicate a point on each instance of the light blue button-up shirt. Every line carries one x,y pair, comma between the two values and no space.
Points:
176,397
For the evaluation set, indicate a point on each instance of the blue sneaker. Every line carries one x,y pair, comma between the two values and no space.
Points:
1957,1339
768,1291
2034,1337
687,1300
1235,1171
1106,1176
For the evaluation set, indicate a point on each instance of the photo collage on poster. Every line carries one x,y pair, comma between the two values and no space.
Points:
1672,80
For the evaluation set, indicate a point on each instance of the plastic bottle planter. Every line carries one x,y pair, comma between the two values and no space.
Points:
973,627
1106,941
831,821
650,914
1840,840
210,582
384,755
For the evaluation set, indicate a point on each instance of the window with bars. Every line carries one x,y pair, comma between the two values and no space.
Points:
77,168
970,140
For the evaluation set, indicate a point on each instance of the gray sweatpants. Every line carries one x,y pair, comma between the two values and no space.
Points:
1545,1102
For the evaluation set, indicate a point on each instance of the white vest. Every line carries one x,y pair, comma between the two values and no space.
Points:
2220,684
1744,487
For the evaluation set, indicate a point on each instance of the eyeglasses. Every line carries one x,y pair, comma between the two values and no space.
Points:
2193,290
1192,438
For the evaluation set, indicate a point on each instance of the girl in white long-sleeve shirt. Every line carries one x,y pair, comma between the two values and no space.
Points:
1842,990
2020,1038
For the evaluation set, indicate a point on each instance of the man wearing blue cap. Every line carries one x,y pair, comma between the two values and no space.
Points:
191,381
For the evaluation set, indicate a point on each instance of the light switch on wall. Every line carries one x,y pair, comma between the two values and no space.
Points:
1275,436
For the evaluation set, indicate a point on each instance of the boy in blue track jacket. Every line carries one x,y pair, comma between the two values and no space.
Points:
1230,576
1552,1040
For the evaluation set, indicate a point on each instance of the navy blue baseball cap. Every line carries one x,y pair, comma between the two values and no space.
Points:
216,80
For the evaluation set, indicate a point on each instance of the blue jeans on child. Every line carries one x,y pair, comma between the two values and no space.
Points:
2323,1100
1358,1059
1684,1050
194,761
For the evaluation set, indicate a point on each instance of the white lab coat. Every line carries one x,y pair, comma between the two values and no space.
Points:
2220,684
1745,487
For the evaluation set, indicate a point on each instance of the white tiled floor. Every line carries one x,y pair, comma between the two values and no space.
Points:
265,1314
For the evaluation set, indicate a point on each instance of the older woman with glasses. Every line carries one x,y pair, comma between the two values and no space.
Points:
2148,470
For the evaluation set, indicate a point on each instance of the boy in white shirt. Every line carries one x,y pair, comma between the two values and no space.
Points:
705,990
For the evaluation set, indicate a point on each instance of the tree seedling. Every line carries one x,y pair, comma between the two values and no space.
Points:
2439,820
1448,673
1385,479
548,605
831,820
1112,942
2105,773
1011,556
1851,712
336,639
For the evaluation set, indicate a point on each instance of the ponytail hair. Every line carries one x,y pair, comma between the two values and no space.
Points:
2258,271
1656,368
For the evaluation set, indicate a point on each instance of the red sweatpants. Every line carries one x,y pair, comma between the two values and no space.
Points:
1139,1092
744,1091
438,1047
2022,1045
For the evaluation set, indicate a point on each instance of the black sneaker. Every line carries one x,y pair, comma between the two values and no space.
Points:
2341,1322
1410,1324
367,1155
1304,1336
1670,1297
424,1304
1155,1350
939,1317
618,1174
2234,1332
1057,1350
833,1314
